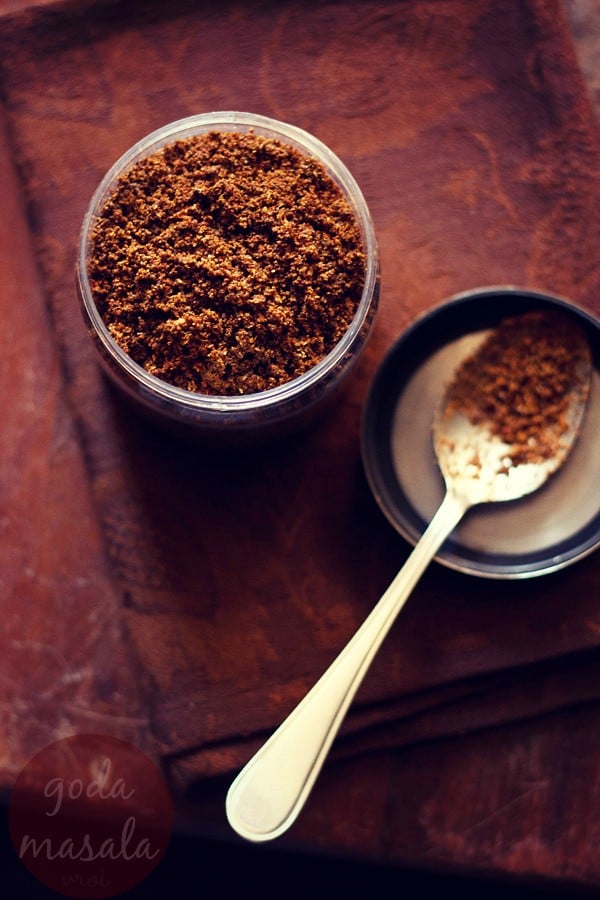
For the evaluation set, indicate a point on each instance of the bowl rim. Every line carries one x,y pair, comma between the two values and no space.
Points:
230,120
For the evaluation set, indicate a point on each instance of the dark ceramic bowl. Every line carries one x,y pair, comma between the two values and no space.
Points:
541,533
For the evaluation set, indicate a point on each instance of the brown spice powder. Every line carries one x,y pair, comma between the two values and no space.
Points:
227,263
520,381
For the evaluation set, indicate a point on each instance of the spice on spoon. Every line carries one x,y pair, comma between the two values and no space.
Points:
227,263
520,382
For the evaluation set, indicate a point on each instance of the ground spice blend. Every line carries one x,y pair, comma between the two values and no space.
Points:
227,263
521,380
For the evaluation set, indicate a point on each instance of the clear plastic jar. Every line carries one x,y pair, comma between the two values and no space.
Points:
261,414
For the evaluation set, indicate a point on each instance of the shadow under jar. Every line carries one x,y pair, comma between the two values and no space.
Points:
229,274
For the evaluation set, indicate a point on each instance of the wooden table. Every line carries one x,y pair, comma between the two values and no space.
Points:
149,591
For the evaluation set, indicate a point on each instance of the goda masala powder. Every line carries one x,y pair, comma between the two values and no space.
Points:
227,263
522,380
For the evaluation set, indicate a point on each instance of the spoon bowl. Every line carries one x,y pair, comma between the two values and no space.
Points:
499,433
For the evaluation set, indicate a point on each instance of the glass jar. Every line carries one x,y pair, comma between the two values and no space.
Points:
265,413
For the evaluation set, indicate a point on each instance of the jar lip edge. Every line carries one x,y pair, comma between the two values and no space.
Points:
335,167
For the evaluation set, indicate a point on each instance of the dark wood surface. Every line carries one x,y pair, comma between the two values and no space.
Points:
185,601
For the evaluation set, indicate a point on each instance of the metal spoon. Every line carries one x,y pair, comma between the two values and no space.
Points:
269,792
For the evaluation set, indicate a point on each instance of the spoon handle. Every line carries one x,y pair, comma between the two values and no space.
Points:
271,789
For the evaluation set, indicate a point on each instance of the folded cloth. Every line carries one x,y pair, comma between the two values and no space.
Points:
241,575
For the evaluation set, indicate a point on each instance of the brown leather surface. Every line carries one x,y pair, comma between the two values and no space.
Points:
187,599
